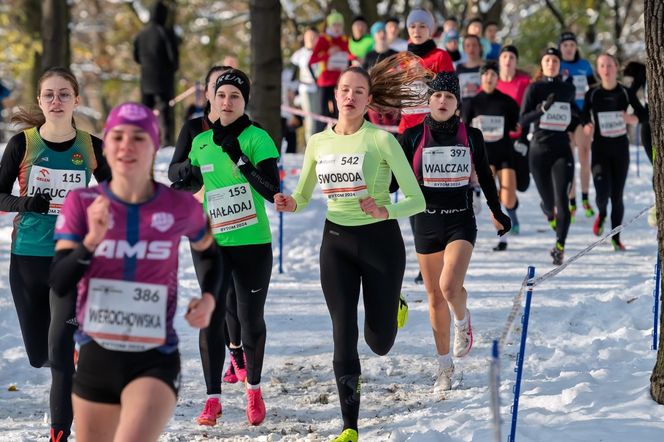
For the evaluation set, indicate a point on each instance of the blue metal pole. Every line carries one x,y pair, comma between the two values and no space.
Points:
638,149
522,353
494,384
655,309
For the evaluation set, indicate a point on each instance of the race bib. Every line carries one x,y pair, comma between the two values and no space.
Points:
446,166
492,126
231,208
557,118
341,175
611,124
418,88
126,316
55,182
581,86
469,83
337,61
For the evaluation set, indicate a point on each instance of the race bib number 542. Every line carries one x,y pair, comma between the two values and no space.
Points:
341,175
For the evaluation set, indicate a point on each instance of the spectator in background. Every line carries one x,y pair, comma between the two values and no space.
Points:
332,52
451,44
381,49
392,32
475,27
4,93
450,24
491,34
230,61
156,50
361,42
307,89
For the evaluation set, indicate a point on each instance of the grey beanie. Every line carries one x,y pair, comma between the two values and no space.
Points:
420,16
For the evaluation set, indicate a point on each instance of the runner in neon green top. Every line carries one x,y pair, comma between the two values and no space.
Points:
355,166
235,208
353,162
238,163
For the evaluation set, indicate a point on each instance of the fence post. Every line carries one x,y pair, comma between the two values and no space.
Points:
281,218
522,352
638,149
494,385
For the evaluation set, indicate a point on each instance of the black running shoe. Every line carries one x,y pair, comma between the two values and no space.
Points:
500,247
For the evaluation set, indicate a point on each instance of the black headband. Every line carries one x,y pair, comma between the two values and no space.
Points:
237,78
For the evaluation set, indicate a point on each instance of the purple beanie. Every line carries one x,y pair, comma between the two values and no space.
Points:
135,114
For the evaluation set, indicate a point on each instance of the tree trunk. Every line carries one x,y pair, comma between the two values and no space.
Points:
654,26
266,66
369,9
55,34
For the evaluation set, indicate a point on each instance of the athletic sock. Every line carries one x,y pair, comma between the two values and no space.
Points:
462,322
584,197
214,396
253,387
572,202
444,361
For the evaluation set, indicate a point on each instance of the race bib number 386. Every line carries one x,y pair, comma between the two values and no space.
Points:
341,175
446,166
126,316
55,182
231,208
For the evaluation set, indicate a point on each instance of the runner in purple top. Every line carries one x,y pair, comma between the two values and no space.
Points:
119,242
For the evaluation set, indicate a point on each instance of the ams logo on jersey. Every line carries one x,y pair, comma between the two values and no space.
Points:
119,249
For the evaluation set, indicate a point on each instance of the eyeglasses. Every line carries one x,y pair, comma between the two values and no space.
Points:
63,97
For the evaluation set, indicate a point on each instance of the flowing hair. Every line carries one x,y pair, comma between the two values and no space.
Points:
33,116
397,82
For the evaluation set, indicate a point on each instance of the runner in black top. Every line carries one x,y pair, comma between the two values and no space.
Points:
443,153
497,115
549,104
604,116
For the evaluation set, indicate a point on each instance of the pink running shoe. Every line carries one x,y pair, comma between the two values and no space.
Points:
211,412
239,364
230,377
255,406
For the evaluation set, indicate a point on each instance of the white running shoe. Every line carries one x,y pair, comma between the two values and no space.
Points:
463,338
443,379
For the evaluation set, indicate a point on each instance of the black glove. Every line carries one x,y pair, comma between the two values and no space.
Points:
504,220
521,148
549,102
190,179
38,203
229,144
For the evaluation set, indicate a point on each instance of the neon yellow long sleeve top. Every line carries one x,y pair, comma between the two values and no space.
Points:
370,152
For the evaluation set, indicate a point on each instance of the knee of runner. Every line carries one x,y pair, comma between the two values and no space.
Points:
379,344
451,291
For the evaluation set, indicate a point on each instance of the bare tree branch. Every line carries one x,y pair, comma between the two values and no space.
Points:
556,13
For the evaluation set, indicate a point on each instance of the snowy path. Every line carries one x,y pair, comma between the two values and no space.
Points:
587,365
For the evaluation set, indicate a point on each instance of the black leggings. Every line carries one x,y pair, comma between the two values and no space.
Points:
250,268
646,139
553,171
233,330
610,165
28,279
61,356
374,256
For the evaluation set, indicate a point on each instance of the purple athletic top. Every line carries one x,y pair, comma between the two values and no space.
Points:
122,292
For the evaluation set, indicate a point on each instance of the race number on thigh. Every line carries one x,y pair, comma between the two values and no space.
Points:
231,208
55,182
341,175
125,315
446,166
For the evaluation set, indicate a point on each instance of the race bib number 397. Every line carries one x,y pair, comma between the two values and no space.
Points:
57,183
341,175
446,166
126,316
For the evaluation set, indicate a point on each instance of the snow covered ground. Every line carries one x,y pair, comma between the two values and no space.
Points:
586,371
